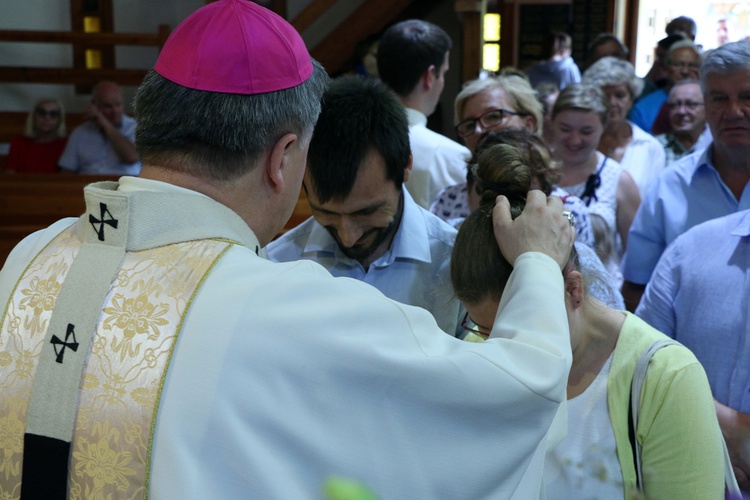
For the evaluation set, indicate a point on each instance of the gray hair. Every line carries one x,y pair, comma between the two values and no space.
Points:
612,71
216,135
518,89
729,58
583,97
683,44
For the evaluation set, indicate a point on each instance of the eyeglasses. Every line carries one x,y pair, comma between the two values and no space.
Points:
691,105
488,120
468,325
684,65
52,113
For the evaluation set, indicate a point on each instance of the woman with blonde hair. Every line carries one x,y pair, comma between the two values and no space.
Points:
43,141
496,103
579,117
490,106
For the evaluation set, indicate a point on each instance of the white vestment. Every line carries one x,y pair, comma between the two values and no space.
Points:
283,375
438,162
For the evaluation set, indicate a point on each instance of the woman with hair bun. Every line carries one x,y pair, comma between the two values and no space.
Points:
677,430
531,152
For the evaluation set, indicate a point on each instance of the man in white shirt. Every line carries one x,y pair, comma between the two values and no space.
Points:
413,60
148,349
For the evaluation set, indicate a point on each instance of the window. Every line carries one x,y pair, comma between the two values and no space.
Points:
491,42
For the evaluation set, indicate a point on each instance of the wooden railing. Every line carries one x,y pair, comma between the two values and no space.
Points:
78,76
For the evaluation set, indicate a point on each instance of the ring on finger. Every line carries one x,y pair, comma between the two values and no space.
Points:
570,216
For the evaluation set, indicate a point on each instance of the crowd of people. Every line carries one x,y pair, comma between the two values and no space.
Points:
524,310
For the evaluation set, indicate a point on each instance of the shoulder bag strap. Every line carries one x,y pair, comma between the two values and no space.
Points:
639,375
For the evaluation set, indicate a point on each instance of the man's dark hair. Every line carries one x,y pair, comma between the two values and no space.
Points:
603,38
218,135
407,49
358,116
684,25
556,42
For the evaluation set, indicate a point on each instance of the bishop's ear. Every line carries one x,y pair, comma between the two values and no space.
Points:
278,160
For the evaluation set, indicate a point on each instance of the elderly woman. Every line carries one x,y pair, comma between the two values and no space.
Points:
505,102
496,103
43,141
677,432
635,149
579,118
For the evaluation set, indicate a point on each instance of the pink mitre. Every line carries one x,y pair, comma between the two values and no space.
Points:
235,47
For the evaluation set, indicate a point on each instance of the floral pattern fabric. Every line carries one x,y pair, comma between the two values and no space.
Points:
124,371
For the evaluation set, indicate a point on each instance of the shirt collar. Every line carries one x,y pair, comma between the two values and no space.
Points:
743,226
411,241
130,184
705,162
674,144
704,139
415,117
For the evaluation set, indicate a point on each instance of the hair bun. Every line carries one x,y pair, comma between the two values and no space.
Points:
502,171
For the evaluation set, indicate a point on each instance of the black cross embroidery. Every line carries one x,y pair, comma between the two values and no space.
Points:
57,342
101,221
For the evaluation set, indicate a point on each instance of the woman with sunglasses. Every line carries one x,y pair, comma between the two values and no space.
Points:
677,430
43,141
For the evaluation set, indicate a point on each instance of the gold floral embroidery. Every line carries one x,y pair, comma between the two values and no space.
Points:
22,332
40,295
135,316
125,365
12,427
102,462
130,352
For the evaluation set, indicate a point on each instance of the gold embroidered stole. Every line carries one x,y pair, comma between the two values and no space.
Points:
125,368
87,334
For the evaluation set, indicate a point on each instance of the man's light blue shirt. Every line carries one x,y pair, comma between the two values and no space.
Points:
688,192
699,296
89,151
415,270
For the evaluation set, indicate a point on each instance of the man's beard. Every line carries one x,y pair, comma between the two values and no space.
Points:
360,253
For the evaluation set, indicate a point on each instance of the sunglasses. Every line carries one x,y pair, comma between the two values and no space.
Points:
52,113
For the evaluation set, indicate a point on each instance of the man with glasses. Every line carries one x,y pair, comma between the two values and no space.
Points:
105,143
687,115
365,225
412,60
683,60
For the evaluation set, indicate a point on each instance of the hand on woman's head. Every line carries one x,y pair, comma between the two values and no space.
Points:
541,227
